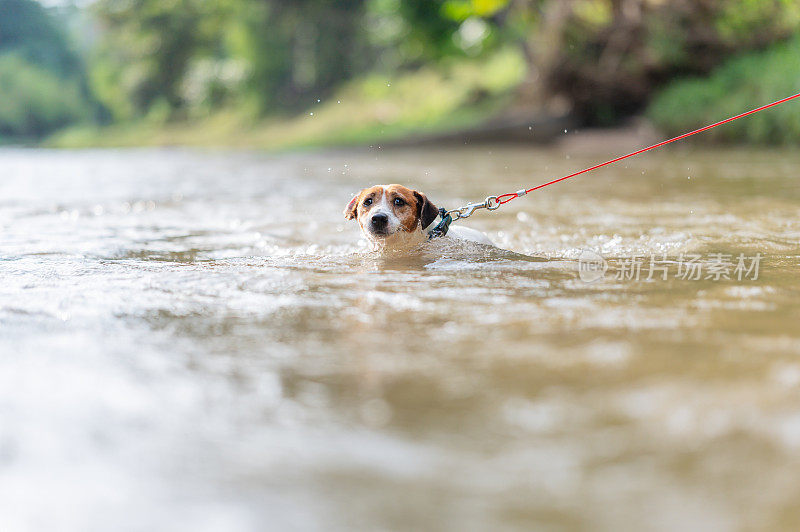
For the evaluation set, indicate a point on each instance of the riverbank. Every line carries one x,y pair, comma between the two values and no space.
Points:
465,101
436,100
233,130
464,128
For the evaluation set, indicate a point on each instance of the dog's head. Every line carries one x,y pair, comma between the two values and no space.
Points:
391,214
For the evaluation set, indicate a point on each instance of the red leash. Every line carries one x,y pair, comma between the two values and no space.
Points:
505,198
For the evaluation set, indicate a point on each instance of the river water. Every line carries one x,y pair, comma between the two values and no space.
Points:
198,341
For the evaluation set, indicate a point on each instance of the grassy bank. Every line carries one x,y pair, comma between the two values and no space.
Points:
373,109
739,85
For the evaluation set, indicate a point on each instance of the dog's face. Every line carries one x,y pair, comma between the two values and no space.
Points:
391,215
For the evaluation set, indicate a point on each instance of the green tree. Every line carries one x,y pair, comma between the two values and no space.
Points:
605,58
42,83
299,50
146,49
35,101
285,52
32,33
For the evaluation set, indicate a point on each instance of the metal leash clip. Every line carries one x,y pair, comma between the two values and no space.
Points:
490,203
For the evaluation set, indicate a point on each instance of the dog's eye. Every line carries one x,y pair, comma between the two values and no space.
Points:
399,202
367,202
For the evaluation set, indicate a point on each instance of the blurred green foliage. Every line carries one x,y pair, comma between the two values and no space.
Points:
30,32
742,83
36,101
615,55
160,62
275,56
369,110
42,87
602,58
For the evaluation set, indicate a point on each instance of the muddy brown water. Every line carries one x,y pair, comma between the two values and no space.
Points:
199,341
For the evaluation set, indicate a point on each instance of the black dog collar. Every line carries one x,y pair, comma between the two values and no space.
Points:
442,227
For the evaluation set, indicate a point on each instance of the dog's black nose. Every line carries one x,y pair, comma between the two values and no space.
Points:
380,220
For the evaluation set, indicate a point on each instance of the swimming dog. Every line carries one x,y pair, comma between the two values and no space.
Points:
395,217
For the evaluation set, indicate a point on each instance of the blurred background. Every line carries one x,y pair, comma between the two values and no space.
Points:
288,73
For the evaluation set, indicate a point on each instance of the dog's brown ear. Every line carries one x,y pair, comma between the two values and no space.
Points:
426,211
350,211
